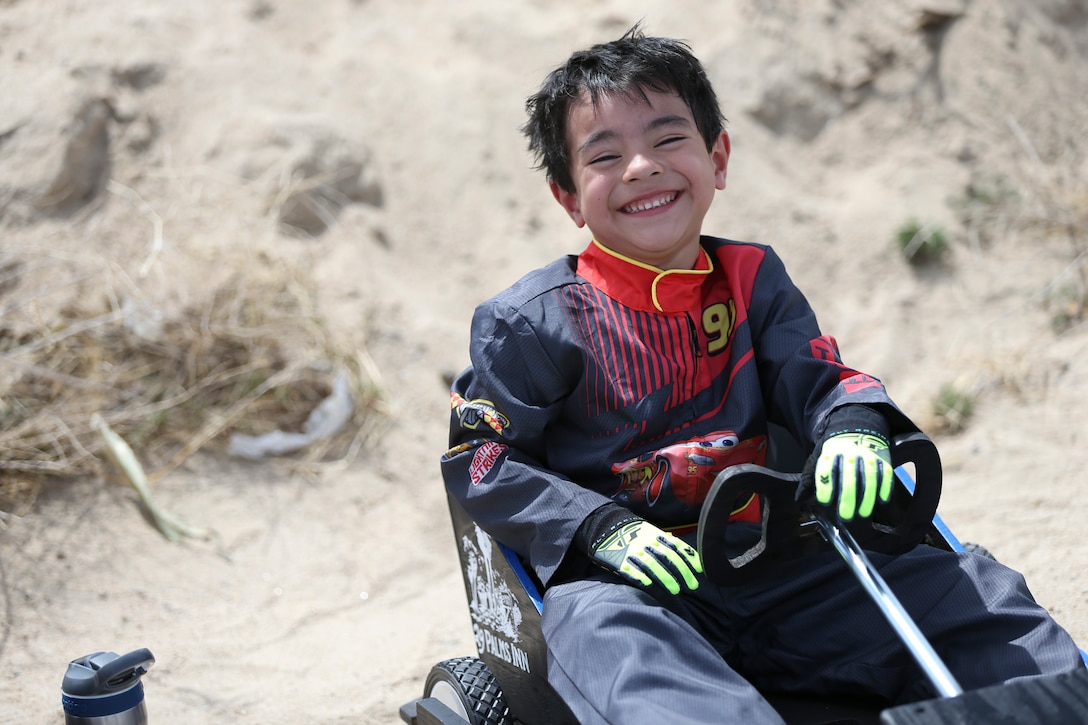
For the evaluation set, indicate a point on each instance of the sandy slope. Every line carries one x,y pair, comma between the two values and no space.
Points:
330,598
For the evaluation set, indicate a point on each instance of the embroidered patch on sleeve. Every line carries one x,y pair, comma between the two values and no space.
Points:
860,381
484,460
473,413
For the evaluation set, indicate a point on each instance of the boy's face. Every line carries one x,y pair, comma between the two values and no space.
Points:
643,177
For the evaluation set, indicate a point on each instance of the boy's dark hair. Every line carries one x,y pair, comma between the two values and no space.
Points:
632,65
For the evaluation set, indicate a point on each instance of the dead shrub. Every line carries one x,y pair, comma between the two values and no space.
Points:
250,357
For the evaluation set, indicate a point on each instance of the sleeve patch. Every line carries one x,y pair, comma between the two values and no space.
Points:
474,413
483,460
860,381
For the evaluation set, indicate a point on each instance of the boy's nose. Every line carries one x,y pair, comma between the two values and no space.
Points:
642,166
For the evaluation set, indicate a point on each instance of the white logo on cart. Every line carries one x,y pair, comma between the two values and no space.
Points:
494,609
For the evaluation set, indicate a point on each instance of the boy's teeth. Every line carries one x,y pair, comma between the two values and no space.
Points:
651,204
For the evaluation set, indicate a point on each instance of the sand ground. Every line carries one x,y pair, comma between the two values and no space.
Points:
330,596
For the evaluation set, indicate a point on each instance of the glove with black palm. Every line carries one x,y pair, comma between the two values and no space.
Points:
853,464
640,552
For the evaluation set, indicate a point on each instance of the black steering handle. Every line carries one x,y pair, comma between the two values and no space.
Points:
735,551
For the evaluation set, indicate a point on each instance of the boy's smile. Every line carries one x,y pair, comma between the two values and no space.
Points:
643,177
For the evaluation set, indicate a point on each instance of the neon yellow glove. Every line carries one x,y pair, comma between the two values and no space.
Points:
638,551
853,469
645,555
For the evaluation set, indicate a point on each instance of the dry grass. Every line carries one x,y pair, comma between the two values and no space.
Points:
952,409
1055,207
1043,207
252,356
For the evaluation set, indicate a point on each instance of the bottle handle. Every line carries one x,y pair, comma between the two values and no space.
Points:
96,675
119,674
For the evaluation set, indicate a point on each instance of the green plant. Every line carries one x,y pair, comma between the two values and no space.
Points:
989,205
1066,305
921,244
953,408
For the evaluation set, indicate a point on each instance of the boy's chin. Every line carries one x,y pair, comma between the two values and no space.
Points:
663,255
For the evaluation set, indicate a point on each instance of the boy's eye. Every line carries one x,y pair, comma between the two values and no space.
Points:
602,158
670,139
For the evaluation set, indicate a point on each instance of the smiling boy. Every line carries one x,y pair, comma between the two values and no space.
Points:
608,389
642,176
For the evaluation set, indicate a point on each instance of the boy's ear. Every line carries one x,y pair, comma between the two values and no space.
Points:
719,156
569,202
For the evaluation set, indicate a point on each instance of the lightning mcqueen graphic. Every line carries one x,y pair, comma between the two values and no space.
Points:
684,471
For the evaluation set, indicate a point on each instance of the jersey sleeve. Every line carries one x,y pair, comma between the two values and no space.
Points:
496,467
801,370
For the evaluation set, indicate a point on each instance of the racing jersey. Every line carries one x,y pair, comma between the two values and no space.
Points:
599,378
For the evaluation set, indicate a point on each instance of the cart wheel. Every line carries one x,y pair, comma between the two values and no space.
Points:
466,686
979,549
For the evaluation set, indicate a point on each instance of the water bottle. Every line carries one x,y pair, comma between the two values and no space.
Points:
104,688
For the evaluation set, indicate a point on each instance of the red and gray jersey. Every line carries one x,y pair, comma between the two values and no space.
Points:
598,378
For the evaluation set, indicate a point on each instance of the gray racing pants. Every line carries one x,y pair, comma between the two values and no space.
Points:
621,655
